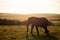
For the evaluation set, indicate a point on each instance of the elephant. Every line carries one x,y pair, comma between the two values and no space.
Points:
38,22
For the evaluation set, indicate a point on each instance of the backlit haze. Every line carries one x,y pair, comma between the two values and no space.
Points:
14,9
30,6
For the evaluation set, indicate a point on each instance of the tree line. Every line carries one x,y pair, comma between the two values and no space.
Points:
9,22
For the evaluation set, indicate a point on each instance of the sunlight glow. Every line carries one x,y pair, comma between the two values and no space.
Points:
29,6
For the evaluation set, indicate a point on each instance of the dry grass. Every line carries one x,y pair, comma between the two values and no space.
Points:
19,33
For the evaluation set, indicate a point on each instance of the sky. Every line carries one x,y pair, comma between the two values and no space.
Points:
30,6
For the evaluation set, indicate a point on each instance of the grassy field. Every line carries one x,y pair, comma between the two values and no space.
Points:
19,33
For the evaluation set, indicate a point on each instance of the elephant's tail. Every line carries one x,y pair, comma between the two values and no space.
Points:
50,23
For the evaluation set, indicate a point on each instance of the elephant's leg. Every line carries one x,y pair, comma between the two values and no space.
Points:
37,30
46,30
32,28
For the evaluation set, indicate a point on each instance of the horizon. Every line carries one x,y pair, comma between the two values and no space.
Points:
22,17
28,13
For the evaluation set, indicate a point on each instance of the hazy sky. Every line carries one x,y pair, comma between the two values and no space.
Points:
29,6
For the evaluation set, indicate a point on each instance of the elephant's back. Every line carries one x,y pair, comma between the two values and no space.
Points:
38,21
